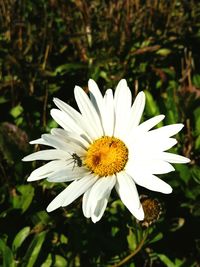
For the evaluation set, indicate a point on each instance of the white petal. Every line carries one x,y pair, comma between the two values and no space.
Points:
58,143
85,204
173,158
72,192
98,212
163,144
88,111
154,166
167,131
70,137
128,193
145,145
108,119
122,101
136,111
65,121
67,174
147,125
153,183
123,95
81,123
49,154
74,114
39,141
102,187
99,195
43,171
95,96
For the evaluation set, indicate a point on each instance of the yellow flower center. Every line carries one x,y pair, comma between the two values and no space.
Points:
106,156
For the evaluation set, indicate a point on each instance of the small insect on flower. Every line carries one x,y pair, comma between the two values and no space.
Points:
77,160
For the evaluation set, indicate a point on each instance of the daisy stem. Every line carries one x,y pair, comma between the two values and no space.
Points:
138,248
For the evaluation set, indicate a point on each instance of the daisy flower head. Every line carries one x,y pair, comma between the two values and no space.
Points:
104,146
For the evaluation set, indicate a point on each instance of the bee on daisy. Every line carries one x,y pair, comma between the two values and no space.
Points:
110,149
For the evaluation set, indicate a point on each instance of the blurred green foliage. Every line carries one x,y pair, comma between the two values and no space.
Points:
46,48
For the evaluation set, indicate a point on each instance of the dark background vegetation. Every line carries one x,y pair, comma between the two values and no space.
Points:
46,48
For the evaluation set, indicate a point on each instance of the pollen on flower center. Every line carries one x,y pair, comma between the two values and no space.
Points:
106,156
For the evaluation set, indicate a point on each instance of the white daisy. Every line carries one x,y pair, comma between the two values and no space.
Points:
104,146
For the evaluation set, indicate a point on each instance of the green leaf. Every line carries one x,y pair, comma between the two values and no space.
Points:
195,172
169,263
3,100
170,103
16,111
48,261
34,250
60,261
156,238
166,260
132,240
7,255
179,262
63,239
197,120
104,75
53,88
184,172
143,67
192,192
197,142
94,72
41,217
62,69
23,198
170,72
51,124
20,237
163,52
152,108
196,80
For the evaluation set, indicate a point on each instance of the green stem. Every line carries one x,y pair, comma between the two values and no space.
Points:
139,247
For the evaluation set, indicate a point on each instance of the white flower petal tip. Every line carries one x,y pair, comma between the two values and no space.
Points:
181,125
139,214
92,83
32,142
185,160
77,88
141,96
166,189
140,100
161,116
178,127
122,83
24,159
99,211
33,178
27,158
56,202
182,159
147,125
55,99
38,141
50,208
